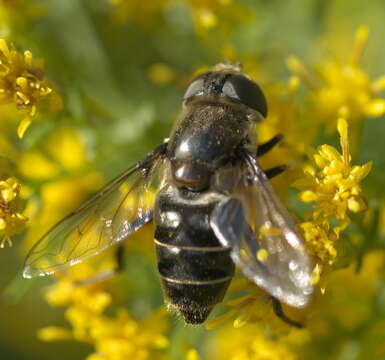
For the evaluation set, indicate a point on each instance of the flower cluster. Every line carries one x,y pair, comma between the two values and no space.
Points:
11,220
114,338
252,344
22,83
60,164
251,308
335,190
342,89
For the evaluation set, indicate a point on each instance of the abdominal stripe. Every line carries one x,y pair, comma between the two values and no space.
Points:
194,248
196,282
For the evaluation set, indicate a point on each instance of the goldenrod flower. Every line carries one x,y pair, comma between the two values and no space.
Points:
254,307
333,185
252,343
115,338
320,241
342,89
284,118
22,82
62,168
11,220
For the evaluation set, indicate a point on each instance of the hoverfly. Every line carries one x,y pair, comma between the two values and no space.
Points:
214,207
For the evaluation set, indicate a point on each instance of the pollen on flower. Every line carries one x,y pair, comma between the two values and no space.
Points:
320,241
332,184
262,255
22,83
11,220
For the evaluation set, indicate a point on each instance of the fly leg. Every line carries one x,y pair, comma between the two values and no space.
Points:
277,308
268,145
107,274
275,171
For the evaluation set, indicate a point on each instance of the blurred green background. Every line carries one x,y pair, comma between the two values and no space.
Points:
121,71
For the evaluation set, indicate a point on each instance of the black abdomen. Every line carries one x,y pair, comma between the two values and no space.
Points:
195,268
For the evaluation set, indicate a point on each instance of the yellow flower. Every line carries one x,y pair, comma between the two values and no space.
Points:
22,83
115,338
320,242
251,343
91,298
342,89
63,168
122,337
11,220
284,118
161,74
335,186
254,307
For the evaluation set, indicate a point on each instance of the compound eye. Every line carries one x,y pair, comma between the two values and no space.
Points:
196,87
246,91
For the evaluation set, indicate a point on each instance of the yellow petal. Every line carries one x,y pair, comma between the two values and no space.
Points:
35,166
207,19
161,342
316,274
28,57
67,146
356,205
294,64
6,240
53,333
329,152
294,83
4,48
22,82
23,126
360,172
243,318
362,34
342,127
308,196
359,45
375,108
7,195
320,161
192,354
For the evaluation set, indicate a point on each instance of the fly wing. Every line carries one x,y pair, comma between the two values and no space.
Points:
266,244
109,217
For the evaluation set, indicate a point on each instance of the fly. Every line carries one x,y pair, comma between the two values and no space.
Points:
214,208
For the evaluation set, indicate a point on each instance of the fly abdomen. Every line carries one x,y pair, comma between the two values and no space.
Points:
194,267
